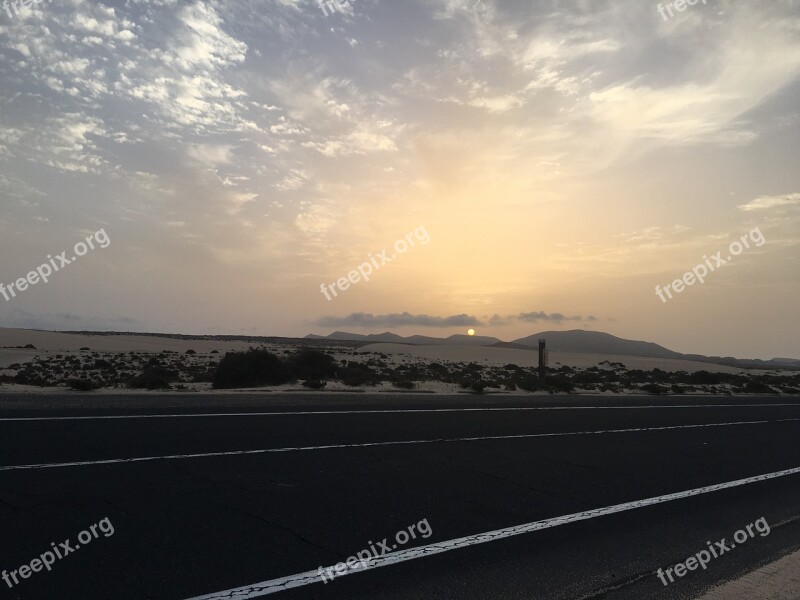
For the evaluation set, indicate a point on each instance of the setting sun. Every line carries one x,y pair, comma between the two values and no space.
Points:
470,332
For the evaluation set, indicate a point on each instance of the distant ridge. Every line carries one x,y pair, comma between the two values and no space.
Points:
575,340
418,340
596,342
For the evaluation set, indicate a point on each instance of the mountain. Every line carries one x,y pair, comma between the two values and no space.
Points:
386,336
576,340
417,340
472,340
596,342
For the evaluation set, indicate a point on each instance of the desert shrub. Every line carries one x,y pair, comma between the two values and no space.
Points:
438,369
704,377
610,387
203,375
153,378
308,363
758,387
652,388
478,387
559,384
414,372
83,385
29,377
404,384
252,367
355,374
190,351
472,369
588,377
529,383
314,384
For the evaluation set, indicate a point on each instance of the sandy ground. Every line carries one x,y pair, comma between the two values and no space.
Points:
503,356
776,581
68,342
49,341
50,344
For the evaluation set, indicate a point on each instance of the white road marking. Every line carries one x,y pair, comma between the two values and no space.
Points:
387,411
112,461
272,586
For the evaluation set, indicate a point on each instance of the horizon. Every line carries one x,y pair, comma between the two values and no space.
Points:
313,335
273,169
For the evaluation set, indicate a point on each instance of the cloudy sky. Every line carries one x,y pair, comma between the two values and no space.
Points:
562,157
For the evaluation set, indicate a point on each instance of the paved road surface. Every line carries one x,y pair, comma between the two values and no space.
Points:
217,500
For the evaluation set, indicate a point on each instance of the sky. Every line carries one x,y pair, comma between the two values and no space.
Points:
510,166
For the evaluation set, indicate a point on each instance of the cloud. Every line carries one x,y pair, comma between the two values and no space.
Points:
402,319
533,317
397,320
211,155
767,202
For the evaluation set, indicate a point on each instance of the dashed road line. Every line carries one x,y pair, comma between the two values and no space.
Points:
271,586
112,461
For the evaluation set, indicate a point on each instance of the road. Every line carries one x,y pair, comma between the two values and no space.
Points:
231,496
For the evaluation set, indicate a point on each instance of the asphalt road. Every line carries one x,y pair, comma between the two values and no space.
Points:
217,500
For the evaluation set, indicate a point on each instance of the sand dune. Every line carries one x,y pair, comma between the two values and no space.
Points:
51,341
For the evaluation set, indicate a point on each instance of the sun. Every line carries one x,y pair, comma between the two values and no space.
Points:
470,332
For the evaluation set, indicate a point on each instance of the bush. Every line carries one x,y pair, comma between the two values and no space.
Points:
253,367
101,363
758,387
529,383
355,374
559,384
652,388
308,363
478,387
314,384
404,384
153,378
588,377
705,378
610,387
82,385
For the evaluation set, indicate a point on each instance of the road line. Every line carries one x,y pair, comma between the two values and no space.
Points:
112,461
272,586
388,411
